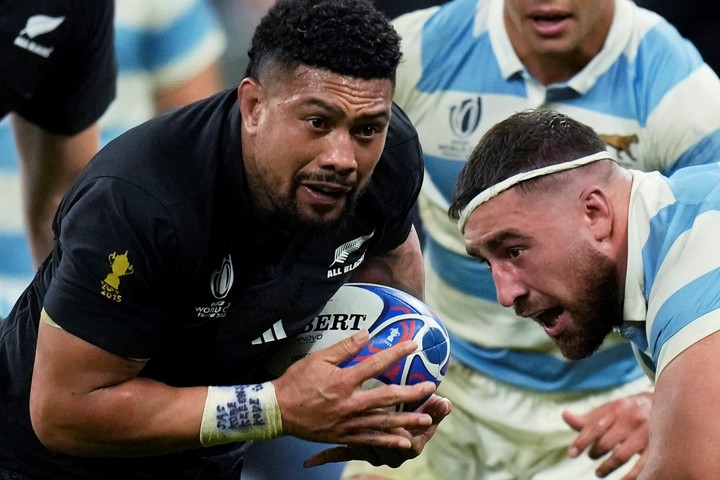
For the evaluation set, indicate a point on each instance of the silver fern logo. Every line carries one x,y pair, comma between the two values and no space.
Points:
37,25
344,250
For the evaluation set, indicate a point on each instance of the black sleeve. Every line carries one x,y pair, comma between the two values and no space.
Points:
117,272
79,83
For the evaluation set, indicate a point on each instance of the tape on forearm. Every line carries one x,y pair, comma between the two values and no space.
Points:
240,413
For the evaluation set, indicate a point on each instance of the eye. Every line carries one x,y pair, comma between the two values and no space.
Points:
318,123
514,252
367,131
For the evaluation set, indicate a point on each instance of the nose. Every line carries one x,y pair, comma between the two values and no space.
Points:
507,285
340,153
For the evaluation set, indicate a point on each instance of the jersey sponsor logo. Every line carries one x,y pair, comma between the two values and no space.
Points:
37,25
465,117
342,253
120,266
276,332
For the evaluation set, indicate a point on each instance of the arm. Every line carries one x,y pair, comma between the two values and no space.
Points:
49,164
85,401
201,85
401,268
684,425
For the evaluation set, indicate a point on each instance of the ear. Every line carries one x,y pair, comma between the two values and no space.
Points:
598,212
250,98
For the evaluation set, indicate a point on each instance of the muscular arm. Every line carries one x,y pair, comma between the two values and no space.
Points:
49,163
88,402
684,425
85,401
401,268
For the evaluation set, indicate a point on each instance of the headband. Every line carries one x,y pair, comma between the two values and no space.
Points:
498,188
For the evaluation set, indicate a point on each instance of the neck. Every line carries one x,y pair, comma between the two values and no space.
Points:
622,207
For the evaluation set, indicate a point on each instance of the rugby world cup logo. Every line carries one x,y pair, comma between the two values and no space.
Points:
465,117
221,280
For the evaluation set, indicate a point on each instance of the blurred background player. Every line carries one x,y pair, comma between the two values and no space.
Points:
168,55
467,65
57,76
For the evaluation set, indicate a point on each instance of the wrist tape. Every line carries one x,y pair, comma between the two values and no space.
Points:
240,413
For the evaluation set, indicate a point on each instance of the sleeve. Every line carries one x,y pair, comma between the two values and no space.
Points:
684,301
682,97
113,282
82,83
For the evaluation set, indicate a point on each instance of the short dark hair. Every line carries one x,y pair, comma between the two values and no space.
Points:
347,37
524,141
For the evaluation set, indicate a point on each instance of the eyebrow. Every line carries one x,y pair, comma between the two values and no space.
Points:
496,240
382,115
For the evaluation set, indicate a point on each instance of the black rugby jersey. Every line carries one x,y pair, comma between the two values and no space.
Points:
57,62
160,255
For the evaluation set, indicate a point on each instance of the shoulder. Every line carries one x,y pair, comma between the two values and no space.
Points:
402,144
188,145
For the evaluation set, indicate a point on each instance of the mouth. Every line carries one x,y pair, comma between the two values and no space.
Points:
549,24
333,190
324,193
550,320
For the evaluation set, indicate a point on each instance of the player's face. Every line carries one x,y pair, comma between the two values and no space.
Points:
311,139
570,29
545,267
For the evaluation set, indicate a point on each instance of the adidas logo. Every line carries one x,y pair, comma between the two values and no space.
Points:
276,332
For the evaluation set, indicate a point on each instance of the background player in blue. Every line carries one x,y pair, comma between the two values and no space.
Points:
467,65
57,76
583,247
138,350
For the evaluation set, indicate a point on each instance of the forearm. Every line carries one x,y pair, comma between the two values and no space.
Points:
50,163
135,418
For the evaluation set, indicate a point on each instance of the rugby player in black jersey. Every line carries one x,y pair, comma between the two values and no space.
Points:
196,244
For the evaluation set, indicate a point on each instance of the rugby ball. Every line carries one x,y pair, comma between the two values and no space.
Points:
391,316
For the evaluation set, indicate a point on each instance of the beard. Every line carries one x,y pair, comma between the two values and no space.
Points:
599,308
287,213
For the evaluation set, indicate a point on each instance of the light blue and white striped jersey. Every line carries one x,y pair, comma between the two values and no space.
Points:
647,93
158,44
672,285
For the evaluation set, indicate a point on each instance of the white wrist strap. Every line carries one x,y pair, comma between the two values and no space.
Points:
240,413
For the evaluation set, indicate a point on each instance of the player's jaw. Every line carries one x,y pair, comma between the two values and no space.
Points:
579,323
317,202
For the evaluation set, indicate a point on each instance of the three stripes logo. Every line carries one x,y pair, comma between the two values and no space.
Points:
274,333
